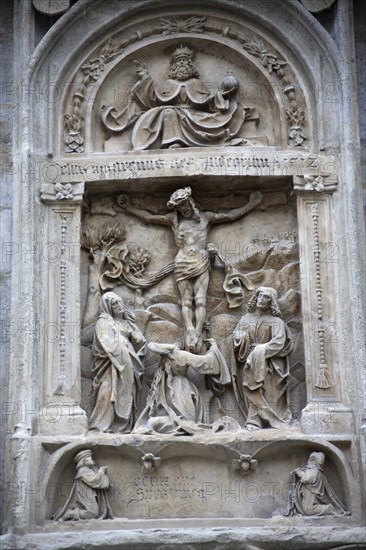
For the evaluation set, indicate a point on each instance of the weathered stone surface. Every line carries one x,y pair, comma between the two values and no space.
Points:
186,293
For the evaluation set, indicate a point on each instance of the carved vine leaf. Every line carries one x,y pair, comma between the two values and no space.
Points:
110,50
268,59
173,25
296,117
92,70
74,123
94,67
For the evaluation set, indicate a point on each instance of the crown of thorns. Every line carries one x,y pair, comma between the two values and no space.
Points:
179,196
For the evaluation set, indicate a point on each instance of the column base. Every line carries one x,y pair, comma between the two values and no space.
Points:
63,418
326,418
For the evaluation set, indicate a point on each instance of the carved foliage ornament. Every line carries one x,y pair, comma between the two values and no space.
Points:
173,25
64,191
91,70
245,464
318,183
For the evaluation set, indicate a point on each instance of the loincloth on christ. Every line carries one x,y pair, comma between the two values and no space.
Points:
191,264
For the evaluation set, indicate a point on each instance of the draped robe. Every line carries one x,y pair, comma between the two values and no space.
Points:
118,348
262,343
174,404
314,495
188,113
88,497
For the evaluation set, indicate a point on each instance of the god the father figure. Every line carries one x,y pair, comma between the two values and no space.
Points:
190,227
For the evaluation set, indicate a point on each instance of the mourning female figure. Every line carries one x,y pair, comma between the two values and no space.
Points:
118,349
262,343
174,404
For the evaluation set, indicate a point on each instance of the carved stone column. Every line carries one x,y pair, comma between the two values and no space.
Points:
325,411
62,324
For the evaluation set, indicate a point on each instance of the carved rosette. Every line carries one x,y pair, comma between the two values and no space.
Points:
70,193
245,464
318,183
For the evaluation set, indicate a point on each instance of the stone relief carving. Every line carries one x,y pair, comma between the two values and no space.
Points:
100,244
64,191
174,404
313,182
118,348
182,111
88,498
245,464
311,493
262,343
296,120
268,59
91,70
191,267
160,316
213,119
150,462
174,25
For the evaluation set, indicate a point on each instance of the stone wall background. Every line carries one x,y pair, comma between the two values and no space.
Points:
360,46
7,107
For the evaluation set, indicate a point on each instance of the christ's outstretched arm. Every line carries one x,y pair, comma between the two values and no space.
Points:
124,203
221,217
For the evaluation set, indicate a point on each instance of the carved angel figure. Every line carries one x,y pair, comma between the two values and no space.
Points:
262,343
181,111
118,349
311,493
88,498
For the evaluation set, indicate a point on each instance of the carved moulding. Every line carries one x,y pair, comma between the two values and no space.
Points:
223,477
318,184
254,46
327,410
186,163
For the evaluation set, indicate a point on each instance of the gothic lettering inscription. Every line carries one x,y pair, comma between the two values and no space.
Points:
268,164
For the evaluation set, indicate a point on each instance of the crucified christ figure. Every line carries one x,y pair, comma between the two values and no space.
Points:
192,262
